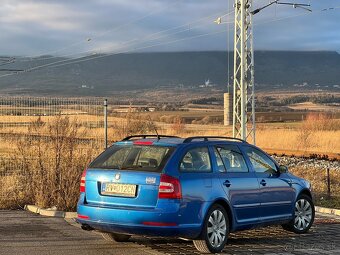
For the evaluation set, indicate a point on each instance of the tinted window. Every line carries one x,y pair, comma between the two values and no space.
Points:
196,160
232,158
132,157
260,161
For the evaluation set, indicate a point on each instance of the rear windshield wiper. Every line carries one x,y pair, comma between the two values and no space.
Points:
131,168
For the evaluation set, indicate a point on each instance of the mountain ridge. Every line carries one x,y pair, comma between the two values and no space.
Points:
133,71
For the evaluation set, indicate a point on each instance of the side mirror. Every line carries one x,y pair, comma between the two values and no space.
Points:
283,169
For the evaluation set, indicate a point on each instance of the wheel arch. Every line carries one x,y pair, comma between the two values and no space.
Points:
306,192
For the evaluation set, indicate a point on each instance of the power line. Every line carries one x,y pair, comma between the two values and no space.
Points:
295,5
294,16
261,23
124,45
142,48
53,64
75,61
108,31
83,59
137,39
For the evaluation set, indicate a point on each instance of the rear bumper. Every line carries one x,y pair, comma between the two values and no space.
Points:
169,231
135,222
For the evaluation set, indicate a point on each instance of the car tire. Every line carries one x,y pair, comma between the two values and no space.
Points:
114,237
215,231
304,214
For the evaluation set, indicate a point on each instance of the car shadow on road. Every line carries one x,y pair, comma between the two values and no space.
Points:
324,237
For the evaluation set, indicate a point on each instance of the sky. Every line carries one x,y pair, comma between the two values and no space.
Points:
81,27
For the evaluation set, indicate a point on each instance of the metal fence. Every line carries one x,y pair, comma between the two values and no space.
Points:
19,114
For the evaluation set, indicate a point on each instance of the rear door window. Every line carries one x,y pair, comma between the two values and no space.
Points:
232,159
196,160
133,157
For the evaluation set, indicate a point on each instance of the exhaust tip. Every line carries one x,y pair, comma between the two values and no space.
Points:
86,227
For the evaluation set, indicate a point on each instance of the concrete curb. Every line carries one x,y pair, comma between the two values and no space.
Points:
50,213
73,215
327,210
32,208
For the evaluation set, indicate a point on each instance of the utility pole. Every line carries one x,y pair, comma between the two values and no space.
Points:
244,93
105,124
244,86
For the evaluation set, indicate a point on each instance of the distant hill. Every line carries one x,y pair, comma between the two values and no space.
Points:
149,70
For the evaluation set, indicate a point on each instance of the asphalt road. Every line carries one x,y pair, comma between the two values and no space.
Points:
26,233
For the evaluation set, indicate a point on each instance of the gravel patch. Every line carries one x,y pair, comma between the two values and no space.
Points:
307,163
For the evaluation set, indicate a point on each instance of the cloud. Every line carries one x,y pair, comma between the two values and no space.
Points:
50,16
33,27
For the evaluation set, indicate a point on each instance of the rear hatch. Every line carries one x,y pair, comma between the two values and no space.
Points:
126,175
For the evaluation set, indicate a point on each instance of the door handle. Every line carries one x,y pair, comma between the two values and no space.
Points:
263,183
227,183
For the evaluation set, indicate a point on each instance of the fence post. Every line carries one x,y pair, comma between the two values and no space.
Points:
328,184
105,123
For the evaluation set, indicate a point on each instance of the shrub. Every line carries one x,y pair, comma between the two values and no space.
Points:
133,124
313,123
320,122
178,126
48,165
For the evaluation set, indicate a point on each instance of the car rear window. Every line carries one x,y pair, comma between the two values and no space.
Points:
133,157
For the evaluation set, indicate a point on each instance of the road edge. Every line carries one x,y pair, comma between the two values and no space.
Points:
50,212
72,215
327,210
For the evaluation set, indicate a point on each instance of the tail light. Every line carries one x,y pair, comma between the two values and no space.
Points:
169,187
82,182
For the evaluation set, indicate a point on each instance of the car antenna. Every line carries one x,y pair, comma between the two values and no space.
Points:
155,128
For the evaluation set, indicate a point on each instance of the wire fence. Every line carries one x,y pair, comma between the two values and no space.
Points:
28,120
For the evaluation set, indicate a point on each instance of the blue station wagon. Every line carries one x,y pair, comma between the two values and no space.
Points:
198,188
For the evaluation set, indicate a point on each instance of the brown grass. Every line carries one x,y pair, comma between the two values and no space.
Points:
46,170
320,122
131,125
322,142
318,179
178,125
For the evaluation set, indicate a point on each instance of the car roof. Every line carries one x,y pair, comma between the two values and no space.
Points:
176,141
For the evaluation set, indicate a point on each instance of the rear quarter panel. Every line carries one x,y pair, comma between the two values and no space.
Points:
199,190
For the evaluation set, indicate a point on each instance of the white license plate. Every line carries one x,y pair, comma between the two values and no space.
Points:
118,189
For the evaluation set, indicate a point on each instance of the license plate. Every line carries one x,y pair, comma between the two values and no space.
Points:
118,189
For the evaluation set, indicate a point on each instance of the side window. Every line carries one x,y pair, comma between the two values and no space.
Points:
196,160
260,161
232,159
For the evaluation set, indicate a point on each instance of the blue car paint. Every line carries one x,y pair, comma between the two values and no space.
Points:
249,204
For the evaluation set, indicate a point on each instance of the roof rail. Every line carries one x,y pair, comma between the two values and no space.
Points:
206,138
148,136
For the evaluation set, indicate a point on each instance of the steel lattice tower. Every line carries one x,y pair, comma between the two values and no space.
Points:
244,94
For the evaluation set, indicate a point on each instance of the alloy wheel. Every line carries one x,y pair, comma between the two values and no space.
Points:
303,214
217,228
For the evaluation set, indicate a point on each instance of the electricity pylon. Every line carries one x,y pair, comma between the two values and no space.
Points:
244,90
244,93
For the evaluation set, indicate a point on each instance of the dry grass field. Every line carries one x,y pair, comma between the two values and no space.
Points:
317,133
313,107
